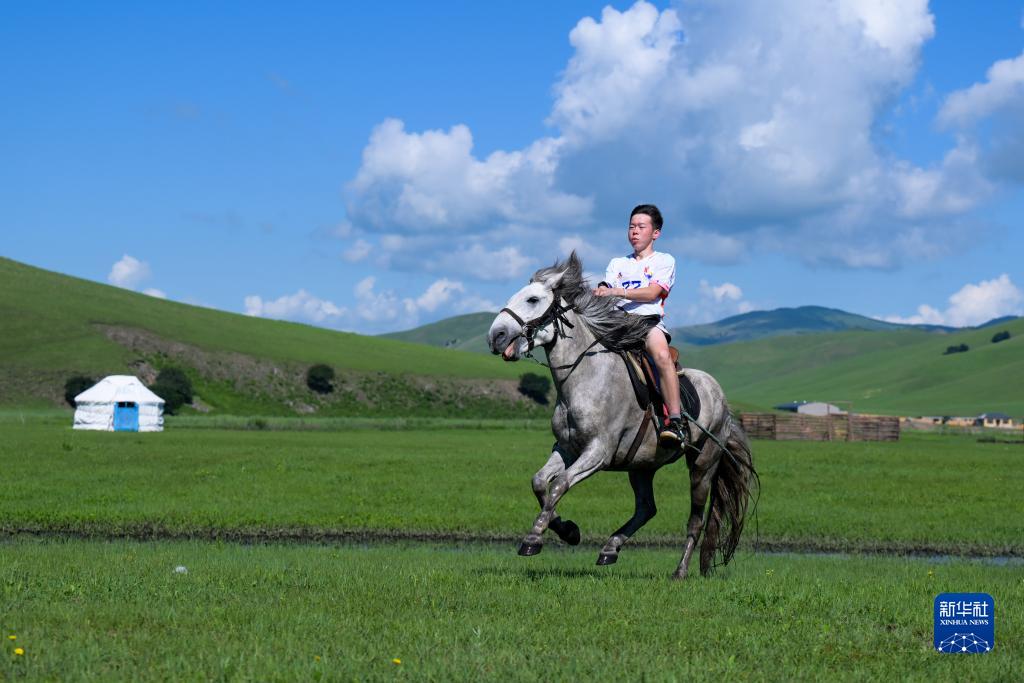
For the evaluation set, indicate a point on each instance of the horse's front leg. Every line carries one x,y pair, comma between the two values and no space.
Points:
566,530
592,460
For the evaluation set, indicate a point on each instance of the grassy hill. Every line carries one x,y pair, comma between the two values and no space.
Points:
815,353
901,372
463,332
469,332
54,326
781,321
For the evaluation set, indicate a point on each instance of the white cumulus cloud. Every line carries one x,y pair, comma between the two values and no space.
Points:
129,272
301,306
358,251
754,124
424,181
990,114
487,264
386,306
973,304
157,293
714,302
437,293
1004,85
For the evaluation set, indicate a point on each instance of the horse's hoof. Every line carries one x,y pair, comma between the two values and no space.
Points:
678,576
530,549
607,558
570,533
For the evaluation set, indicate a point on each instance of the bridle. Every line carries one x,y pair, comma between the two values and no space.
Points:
554,313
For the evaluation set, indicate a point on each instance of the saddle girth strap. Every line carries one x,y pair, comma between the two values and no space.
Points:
640,433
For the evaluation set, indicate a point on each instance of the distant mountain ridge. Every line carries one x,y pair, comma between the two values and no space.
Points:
785,321
469,332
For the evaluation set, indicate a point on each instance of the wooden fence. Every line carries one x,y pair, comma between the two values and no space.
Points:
796,427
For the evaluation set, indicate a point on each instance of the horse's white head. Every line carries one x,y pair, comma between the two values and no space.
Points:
526,320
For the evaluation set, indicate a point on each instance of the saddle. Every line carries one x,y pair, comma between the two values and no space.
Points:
643,375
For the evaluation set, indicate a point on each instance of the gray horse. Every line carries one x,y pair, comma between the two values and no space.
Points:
597,419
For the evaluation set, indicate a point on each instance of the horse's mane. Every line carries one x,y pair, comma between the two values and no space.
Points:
617,330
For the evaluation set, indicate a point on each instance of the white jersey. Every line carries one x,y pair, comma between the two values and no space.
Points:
630,272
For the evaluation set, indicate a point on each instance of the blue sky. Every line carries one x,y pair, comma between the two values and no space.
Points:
376,167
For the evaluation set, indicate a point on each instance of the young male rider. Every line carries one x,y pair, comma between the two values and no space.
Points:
642,281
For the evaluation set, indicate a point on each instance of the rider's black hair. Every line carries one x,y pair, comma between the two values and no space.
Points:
652,211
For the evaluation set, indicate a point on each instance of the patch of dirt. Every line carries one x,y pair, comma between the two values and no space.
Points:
144,371
285,382
199,405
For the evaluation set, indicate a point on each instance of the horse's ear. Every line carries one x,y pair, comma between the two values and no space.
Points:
575,269
571,269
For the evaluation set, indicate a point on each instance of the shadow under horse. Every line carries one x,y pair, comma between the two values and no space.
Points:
597,420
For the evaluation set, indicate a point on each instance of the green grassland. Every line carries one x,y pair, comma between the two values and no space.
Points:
119,611
903,496
290,603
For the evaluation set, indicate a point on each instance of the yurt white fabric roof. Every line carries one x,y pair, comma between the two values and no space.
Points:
116,388
119,403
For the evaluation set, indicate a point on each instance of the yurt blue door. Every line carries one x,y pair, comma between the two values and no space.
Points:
126,417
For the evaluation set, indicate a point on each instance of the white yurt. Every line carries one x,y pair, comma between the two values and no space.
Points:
119,403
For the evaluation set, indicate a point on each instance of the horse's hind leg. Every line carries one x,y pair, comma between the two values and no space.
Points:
642,482
701,474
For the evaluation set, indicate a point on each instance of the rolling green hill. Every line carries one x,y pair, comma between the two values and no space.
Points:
463,332
818,353
469,332
53,326
903,372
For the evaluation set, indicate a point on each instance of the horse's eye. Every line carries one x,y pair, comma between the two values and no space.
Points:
532,300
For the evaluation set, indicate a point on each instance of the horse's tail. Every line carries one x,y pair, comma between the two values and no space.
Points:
731,490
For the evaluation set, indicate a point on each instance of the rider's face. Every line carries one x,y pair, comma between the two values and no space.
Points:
641,232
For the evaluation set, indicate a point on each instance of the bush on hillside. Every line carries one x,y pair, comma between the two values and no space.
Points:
535,386
1000,336
174,387
76,385
320,378
961,348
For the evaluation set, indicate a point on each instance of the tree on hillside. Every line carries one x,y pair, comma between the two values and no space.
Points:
1000,336
960,348
174,387
535,386
320,378
76,385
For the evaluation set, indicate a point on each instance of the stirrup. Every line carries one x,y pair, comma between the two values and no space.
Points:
672,435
